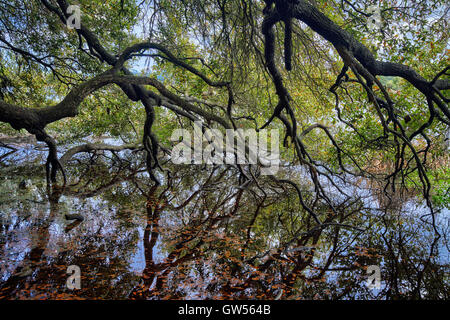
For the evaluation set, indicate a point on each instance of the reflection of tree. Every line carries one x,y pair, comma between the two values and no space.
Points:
42,276
21,276
213,254
210,211
400,244
412,270
207,236
151,235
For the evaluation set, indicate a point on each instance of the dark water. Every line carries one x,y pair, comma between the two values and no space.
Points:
200,236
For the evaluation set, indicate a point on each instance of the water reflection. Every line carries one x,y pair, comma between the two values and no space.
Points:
203,235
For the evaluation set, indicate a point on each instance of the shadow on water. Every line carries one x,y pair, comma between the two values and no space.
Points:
200,235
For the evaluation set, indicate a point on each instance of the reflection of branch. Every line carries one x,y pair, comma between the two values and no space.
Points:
7,154
89,147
